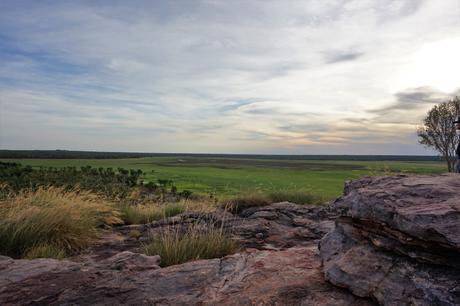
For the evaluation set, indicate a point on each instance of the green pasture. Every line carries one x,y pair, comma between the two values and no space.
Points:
225,177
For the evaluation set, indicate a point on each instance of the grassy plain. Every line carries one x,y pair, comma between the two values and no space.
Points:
226,177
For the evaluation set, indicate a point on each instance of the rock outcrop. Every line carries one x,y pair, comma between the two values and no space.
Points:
276,226
279,265
288,277
397,240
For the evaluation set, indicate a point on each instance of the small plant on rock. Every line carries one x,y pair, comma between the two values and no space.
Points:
46,251
177,245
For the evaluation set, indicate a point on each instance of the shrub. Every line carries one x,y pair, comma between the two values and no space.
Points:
67,220
113,184
198,241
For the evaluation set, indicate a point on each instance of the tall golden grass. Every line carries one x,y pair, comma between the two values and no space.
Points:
255,199
153,211
201,240
52,218
146,213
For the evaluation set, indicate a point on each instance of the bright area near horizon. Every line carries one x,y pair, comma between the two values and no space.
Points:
271,77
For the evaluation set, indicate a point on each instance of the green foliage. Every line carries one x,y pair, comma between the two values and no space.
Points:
198,241
54,217
438,131
115,184
224,177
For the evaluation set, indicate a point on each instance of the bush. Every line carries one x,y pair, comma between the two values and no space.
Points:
197,241
146,213
106,181
66,220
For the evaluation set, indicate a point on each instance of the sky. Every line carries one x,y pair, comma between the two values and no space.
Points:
225,76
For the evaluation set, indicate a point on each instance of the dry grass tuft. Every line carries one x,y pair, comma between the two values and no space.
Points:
152,211
46,251
146,213
135,234
297,197
240,203
176,245
237,204
52,217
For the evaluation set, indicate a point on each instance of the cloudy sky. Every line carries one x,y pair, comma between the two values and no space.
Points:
225,76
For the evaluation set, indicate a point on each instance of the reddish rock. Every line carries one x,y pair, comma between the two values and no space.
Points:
288,277
397,240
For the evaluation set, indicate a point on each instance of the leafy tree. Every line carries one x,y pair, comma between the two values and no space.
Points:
439,133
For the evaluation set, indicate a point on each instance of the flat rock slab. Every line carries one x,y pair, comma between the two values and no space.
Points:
396,240
424,207
287,277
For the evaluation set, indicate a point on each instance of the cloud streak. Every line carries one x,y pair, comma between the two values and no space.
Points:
217,76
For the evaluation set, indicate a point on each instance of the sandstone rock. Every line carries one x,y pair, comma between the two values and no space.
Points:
288,277
276,226
397,240
131,261
114,272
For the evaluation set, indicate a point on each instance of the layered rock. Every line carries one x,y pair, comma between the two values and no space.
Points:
397,240
288,277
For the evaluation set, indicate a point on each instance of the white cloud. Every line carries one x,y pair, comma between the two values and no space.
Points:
220,76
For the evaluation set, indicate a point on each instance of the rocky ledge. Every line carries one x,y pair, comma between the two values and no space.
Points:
286,277
397,240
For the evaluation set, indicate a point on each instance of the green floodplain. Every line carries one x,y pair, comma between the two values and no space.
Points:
232,176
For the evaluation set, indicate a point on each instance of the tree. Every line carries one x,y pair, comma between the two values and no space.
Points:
438,131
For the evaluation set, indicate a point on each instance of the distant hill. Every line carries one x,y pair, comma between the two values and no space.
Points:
64,154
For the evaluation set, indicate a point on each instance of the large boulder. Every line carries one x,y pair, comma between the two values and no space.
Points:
397,240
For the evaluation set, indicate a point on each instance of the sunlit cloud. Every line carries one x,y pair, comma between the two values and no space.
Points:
300,77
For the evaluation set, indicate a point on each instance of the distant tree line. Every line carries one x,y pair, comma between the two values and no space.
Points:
116,184
64,154
112,183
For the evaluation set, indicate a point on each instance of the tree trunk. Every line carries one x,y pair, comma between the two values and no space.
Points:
453,164
448,160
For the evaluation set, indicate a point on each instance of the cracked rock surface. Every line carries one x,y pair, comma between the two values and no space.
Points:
397,240
288,277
